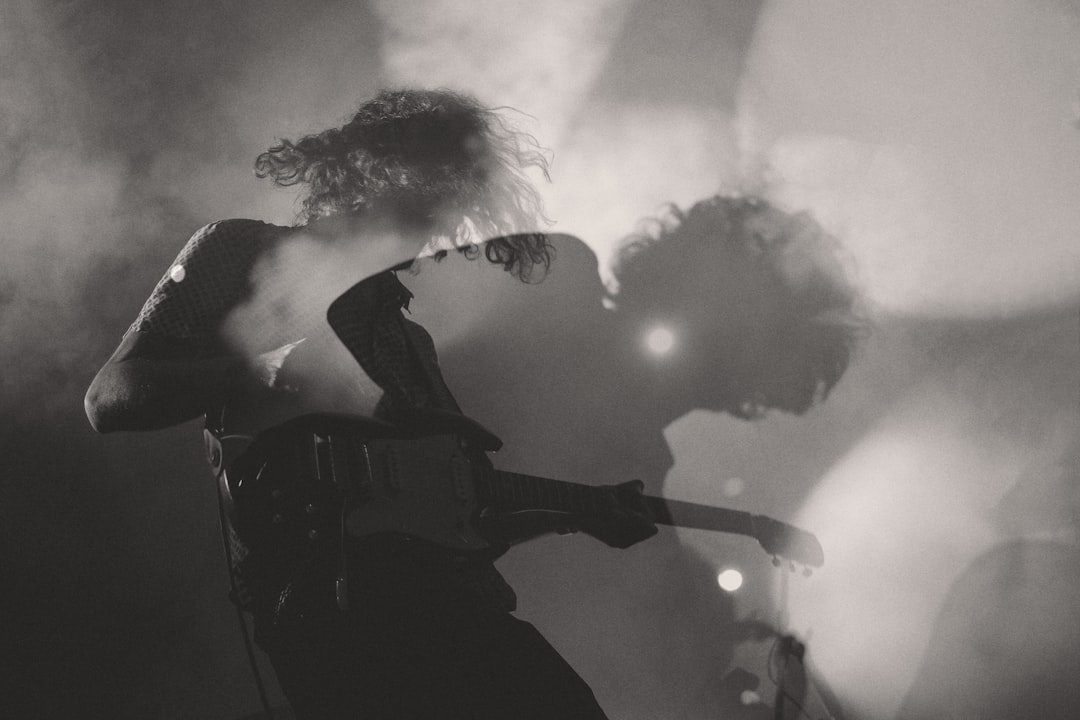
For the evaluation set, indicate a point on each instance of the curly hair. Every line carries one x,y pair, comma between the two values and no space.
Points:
768,288
425,150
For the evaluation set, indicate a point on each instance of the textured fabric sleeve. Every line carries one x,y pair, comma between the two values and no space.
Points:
421,340
208,277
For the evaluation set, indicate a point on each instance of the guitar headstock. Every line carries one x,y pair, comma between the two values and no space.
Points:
787,541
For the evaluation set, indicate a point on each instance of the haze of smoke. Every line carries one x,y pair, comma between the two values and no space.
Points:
62,197
115,155
939,139
978,451
938,142
615,161
541,59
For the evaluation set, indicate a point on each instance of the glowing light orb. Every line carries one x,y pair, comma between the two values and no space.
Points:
749,697
660,340
734,487
730,580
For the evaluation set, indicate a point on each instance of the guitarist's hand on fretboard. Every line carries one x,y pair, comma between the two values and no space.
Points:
621,518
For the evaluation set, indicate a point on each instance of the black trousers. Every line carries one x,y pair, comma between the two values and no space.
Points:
416,644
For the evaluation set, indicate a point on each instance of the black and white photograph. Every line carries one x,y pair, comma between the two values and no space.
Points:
540,360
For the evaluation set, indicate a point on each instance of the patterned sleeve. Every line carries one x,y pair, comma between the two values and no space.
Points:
208,277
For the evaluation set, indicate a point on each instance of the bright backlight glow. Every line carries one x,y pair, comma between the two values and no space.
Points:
730,580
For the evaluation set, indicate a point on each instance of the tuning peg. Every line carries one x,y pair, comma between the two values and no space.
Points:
807,571
775,561
791,565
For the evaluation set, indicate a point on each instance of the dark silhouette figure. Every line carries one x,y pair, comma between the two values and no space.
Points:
321,399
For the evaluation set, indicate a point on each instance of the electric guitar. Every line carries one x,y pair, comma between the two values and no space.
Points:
311,481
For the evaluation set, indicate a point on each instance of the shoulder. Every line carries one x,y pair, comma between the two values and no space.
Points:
226,243
223,234
237,227
208,277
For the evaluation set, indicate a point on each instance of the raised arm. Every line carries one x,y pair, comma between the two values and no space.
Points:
171,367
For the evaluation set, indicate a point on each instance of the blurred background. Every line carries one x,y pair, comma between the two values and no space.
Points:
940,142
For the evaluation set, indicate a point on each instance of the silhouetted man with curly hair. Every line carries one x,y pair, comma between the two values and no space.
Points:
292,342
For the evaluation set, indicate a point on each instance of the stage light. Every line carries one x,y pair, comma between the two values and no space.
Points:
660,340
749,697
729,580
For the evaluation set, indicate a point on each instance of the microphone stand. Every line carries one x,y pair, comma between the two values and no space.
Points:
791,681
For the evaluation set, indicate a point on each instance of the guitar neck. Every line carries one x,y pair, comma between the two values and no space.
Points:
702,517
509,493
515,492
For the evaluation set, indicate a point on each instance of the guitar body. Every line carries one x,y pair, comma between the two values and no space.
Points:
318,479
423,487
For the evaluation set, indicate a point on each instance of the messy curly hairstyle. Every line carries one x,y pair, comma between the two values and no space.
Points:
769,290
410,150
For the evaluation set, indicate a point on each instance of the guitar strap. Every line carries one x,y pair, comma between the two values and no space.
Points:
235,549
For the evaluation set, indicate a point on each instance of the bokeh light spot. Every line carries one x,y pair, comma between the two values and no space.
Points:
660,340
729,580
749,697
734,487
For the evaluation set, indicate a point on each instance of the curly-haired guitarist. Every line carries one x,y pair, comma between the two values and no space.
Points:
347,469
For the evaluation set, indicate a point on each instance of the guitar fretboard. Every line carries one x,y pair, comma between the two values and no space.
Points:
513,492
702,517
510,492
